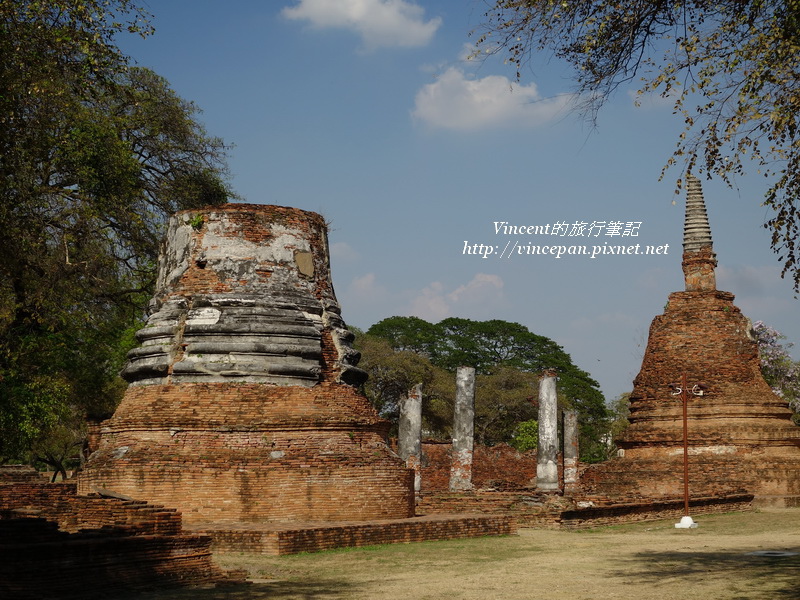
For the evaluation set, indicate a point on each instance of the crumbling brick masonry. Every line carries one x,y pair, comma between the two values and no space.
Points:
241,404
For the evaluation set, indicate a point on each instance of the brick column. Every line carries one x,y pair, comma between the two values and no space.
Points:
463,430
409,442
547,453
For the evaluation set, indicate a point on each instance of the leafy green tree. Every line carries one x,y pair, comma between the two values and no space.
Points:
731,68
779,370
503,399
392,373
94,155
526,435
508,359
406,333
60,447
486,344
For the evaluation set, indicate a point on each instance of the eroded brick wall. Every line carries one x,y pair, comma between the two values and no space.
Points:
242,403
740,434
252,452
16,474
56,544
498,467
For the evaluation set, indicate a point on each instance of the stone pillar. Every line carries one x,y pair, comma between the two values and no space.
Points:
409,442
463,430
547,453
571,449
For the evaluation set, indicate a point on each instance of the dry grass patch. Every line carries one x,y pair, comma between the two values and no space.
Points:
645,561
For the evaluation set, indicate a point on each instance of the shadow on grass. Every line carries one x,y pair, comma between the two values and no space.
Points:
775,573
259,590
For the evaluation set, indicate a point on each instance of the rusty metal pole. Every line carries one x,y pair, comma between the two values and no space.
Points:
685,448
686,521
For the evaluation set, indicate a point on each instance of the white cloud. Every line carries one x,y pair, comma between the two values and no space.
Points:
366,300
342,251
430,303
367,288
480,298
456,101
381,23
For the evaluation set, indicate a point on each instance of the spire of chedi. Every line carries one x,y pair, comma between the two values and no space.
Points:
740,435
699,259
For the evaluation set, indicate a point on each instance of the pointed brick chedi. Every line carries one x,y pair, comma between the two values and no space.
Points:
740,434
242,403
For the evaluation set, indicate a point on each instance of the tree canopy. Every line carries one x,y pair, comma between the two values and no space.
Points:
507,357
731,67
393,372
779,370
94,156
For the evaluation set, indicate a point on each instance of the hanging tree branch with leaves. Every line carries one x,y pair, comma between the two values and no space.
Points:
731,67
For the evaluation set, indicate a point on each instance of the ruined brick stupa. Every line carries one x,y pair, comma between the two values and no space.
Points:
241,404
740,434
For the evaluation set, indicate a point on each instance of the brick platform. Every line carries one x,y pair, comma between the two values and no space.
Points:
291,538
669,508
530,508
15,474
56,544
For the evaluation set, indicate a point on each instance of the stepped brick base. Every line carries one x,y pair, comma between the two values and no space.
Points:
252,452
770,474
56,544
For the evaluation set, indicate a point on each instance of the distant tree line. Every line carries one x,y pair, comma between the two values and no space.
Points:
399,352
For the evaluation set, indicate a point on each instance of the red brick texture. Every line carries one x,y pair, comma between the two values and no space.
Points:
242,405
740,434
56,544
252,452
497,467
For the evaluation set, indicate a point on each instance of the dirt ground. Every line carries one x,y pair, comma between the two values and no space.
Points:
743,556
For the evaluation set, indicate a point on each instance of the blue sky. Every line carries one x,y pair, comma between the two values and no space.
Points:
367,112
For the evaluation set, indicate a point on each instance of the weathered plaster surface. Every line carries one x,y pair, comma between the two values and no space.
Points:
243,402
